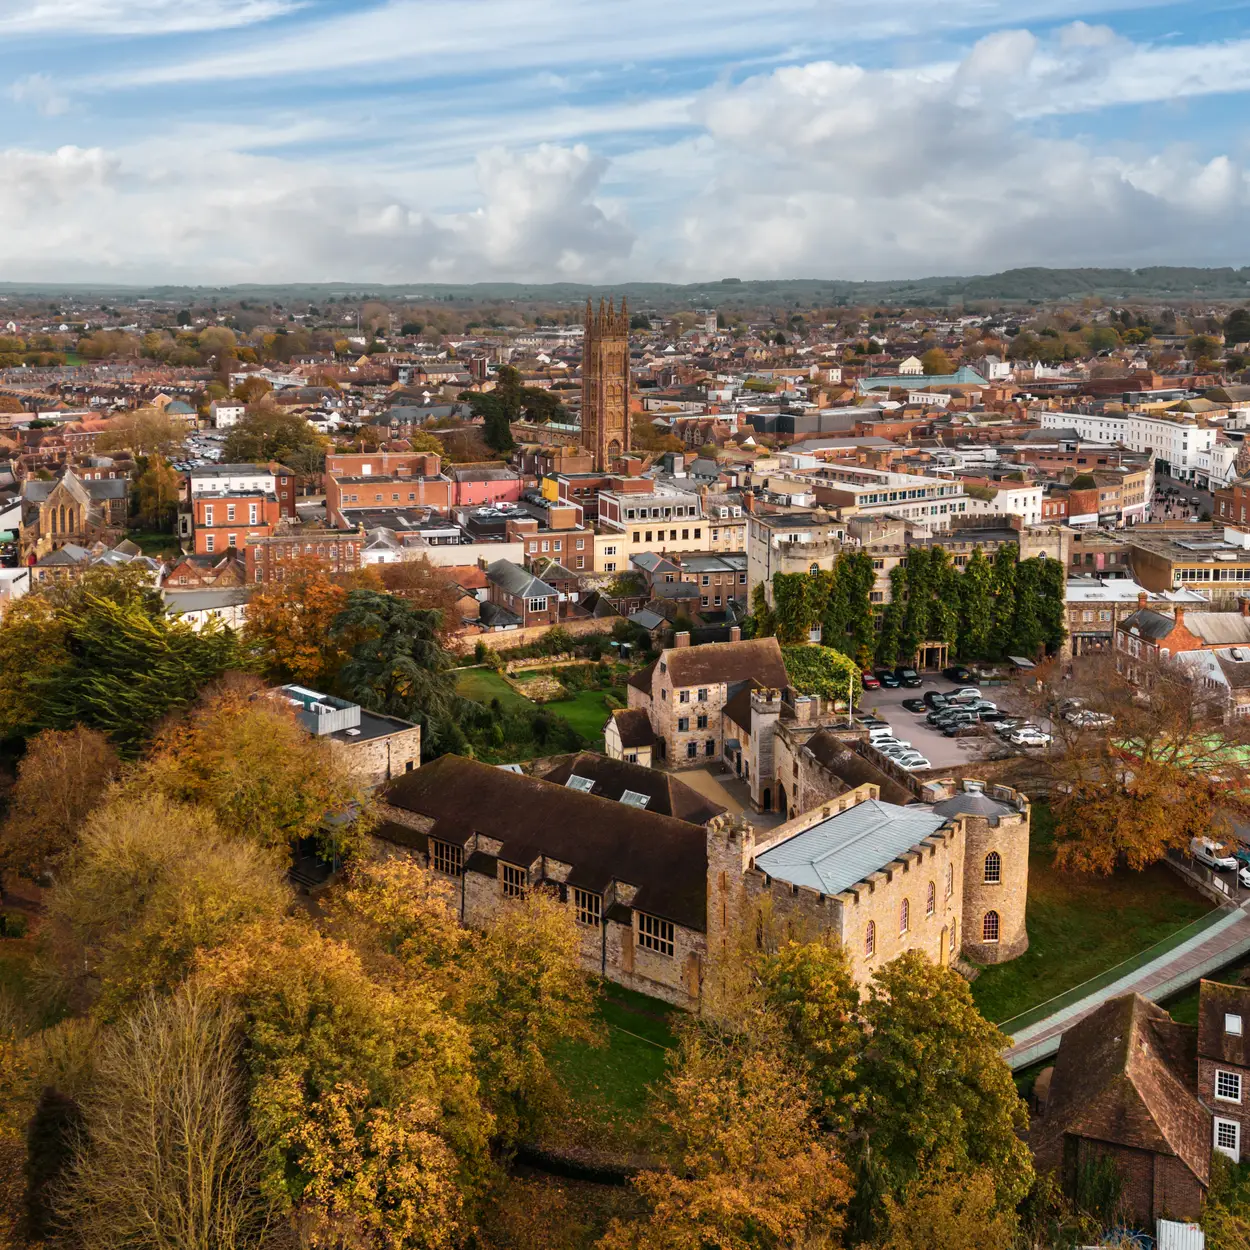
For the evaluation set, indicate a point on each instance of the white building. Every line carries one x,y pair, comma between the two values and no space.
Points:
1175,440
1022,499
226,413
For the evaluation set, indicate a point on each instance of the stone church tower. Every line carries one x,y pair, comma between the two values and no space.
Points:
605,385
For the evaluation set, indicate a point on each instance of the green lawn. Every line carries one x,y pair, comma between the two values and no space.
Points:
154,543
1081,925
610,1085
484,684
586,712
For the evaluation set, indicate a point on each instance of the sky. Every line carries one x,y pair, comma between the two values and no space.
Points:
221,141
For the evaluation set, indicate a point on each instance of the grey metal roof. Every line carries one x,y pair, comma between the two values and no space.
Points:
973,803
850,846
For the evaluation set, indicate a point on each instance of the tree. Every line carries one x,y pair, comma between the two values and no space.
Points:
241,754
289,623
158,490
822,671
252,390
951,1209
428,588
268,432
1202,347
146,432
749,1166
496,419
60,781
396,665
936,363
976,606
422,440
151,887
1237,327
936,1083
51,1135
167,1157
362,1092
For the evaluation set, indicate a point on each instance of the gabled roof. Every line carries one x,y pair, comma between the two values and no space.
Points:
515,580
728,662
603,840
1149,623
1127,1074
634,727
666,795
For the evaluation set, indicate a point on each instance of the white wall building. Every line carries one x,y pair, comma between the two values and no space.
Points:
1022,499
1173,439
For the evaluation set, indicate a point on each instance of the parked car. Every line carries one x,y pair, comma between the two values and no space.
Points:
1009,724
1207,852
1084,718
1029,738
1241,855
935,699
885,745
874,722
957,673
887,679
992,717
907,676
960,730
915,705
1243,876
870,682
915,764
964,694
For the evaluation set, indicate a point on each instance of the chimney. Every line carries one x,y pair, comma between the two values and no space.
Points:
1141,599
1180,616
1244,605
735,631
682,639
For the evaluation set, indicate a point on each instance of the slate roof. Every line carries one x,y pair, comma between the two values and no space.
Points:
972,803
1220,628
665,858
853,769
728,662
1127,1074
1214,1001
517,581
849,846
666,794
1149,623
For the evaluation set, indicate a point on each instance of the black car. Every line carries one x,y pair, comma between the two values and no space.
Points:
957,673
915,705
959,729
907,676
887,678
935,700
992,718
955,718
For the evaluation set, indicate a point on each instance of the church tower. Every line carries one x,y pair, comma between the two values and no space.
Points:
605,384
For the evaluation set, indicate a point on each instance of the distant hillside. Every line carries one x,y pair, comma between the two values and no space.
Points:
1015,285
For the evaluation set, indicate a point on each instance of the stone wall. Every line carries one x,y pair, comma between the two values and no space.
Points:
374,761
1008,896
506,639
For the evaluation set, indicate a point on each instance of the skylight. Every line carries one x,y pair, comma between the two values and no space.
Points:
634,799
583,784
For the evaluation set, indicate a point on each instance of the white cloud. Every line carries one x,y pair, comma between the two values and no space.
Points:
134,17
39,91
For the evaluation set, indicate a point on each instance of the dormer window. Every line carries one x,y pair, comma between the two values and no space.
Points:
1232,1024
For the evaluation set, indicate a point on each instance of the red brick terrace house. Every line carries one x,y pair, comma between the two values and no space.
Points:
1154,1096
1147,634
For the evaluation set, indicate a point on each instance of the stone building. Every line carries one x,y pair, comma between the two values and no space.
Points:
70,510
606,432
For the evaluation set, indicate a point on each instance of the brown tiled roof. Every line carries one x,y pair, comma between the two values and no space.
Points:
852,769
729,662
1127,1073
641,680
667,795
634,726
665,858
1215,1000
738,709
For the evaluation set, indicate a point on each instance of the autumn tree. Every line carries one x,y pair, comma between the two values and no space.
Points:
167,1157
749,1165
428,588
268,432
241,753
422,440
146,432
936,363
252,390
60,781
951,1209
157,491
362,1092
151,886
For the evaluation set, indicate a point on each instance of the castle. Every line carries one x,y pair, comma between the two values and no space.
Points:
605,385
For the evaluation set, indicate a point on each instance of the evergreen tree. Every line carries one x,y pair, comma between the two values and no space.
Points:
1003,585
976,606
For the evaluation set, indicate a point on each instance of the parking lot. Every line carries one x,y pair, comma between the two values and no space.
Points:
941,752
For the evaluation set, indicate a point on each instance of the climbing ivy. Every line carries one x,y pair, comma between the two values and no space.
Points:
818,670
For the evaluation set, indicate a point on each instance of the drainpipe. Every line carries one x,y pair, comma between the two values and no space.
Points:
603,939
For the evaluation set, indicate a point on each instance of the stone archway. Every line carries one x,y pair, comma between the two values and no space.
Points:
766,800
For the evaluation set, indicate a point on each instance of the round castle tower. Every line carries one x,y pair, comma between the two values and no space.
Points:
996,870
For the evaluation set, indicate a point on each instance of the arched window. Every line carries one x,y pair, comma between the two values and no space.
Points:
72,526
993,868
950,880
814,569
870,939
904,916
989,927
931,901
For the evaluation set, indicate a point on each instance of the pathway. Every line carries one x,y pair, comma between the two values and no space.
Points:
1227,939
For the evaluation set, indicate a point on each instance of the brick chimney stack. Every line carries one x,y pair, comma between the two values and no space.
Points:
1141,599
1180,616
682,639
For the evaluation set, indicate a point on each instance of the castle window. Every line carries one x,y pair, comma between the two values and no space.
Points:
950,880
701,722
954,923
993,868
588,907
513,881
655,934
684,697
703,695
447,857
989,927
904,916
930,905
870,940
1228,1086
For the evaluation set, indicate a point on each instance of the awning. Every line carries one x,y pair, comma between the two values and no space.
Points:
1020,662
732,744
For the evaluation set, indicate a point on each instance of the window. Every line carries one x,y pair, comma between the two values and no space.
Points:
513,881
953,924
655,934
701,722
588,907
232,540
447,857
989,927
684,697
904,916
1228,1138
208,542
993,868
930,905
870,940
537,605
692,750
703,695
1232,1025
683,724
208,514
709,747
1228,1086
229,512
950,880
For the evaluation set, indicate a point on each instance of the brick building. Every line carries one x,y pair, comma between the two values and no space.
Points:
356,481
518,598
1149,635
266,559
223,521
